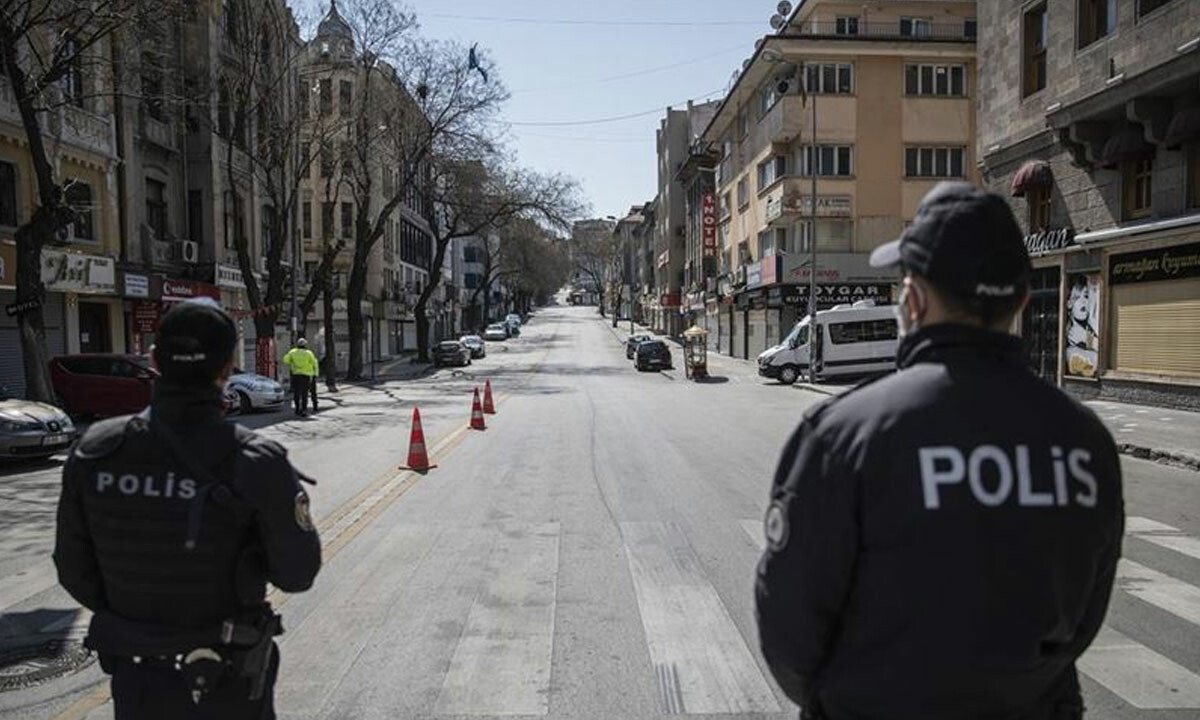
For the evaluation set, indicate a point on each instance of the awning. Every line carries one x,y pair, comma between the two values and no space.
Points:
1035,173
1184,127
1126,143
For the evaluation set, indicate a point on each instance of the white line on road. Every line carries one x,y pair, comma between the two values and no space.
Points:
1163,591
702,661
1163,535
1138,675
501,665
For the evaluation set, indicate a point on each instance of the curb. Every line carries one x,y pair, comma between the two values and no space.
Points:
1162,457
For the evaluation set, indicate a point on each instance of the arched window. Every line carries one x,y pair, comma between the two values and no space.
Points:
78,195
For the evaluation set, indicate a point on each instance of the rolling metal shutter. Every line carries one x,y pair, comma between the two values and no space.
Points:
1156,327
738,344
757,333
724,328
12,369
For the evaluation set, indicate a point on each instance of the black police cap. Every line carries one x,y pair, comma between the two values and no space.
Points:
195,341
964,240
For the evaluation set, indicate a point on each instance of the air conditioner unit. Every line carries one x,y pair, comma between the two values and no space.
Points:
189,251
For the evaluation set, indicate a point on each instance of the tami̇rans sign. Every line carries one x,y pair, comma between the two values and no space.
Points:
1169,263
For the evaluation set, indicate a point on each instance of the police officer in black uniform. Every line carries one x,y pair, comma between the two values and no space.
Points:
941,543
170,524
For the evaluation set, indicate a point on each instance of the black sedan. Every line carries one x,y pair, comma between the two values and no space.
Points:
633,341
451,352
653,355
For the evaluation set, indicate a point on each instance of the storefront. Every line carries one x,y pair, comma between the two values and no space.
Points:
86,285
12,368
141,308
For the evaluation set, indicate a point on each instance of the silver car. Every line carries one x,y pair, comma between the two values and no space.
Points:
33,429
255,392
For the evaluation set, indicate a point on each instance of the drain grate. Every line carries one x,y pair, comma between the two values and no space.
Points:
30,665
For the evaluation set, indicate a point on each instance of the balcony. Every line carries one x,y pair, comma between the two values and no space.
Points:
782,124
158,132
84,130
890,30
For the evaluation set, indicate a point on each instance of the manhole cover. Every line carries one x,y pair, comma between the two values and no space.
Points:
32,664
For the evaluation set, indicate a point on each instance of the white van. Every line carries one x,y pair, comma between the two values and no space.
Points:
853,339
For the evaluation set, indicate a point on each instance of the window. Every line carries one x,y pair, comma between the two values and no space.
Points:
156,207
970,28
1097,19
152,86
326,90
1033,61
1039,208
847,26
936,80
743,190
772,170
223,124
345,97
302,95
928,162
326,161
327,220
767,97
347,220
306,219
915,26
72,80
195,215
863,331
229,19
1136,179
829,78
78,195
1145,7
833,160
1193,176
235,220
724,206
772,242
8,194
833,235
743,125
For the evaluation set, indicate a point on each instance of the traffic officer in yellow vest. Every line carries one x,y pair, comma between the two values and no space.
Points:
303,365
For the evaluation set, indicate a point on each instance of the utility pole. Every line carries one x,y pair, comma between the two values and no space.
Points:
813,167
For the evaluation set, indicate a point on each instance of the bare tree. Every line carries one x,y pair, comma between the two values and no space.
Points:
597,253
54,54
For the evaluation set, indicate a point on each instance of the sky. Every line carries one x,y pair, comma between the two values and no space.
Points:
601,60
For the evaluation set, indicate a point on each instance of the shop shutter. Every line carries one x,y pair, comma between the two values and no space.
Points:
757,333
738,344
1156,327
724,328
12,368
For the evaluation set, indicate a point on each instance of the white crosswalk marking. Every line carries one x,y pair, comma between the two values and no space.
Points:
702,660
502,663
1138,675
1163,535
1174,596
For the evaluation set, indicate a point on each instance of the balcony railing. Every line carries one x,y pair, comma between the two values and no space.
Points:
158,132
893,30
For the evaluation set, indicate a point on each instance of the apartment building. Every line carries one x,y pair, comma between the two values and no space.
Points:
892,84
82,305
1089,119
334,84
695,175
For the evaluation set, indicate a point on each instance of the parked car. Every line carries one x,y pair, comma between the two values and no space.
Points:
513,320
33,429
475,344
653,355
633,341
255,392
495,331
102,384
451,352
856,339
230,401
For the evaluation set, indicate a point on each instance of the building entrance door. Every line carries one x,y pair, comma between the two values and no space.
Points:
1039,323
95,334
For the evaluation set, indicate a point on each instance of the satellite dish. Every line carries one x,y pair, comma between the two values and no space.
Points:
784,8
759,43
776,22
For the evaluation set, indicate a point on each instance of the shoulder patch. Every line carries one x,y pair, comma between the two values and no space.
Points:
103,438
775,526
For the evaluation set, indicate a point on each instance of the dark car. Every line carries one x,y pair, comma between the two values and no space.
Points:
633,341
653,355
102,384
451,352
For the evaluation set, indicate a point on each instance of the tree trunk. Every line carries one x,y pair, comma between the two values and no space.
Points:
330,335
422,335
600,306
32,322
355,289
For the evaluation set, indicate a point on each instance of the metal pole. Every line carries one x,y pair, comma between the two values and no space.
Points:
813,167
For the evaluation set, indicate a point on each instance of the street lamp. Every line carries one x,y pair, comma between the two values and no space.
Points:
812,235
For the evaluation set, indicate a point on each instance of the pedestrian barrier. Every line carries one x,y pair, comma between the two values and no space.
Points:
488,406
418,457
477,422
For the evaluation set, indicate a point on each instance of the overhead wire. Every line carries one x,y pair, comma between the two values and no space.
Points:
595,23
615,118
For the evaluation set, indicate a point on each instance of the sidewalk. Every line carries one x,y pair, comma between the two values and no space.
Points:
1171,437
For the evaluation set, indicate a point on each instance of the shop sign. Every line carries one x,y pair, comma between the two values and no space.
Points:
1049,241
827,205
146,316
829,295
78,273
179,290
22,307
1082,352
8,265
754,274
230,277
834,268
708,221
137,286
1167,263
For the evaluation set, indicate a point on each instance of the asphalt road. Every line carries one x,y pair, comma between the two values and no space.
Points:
590,555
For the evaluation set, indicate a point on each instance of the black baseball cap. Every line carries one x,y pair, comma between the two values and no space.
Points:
964,240
195,341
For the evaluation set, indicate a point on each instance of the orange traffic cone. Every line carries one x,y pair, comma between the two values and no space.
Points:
477,422
488,406
418,458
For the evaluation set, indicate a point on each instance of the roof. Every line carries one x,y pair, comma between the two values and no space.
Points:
334,25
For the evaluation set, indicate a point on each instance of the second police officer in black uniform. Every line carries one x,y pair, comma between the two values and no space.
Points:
170,525
941,543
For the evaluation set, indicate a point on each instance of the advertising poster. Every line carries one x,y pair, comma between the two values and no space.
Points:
1082,352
